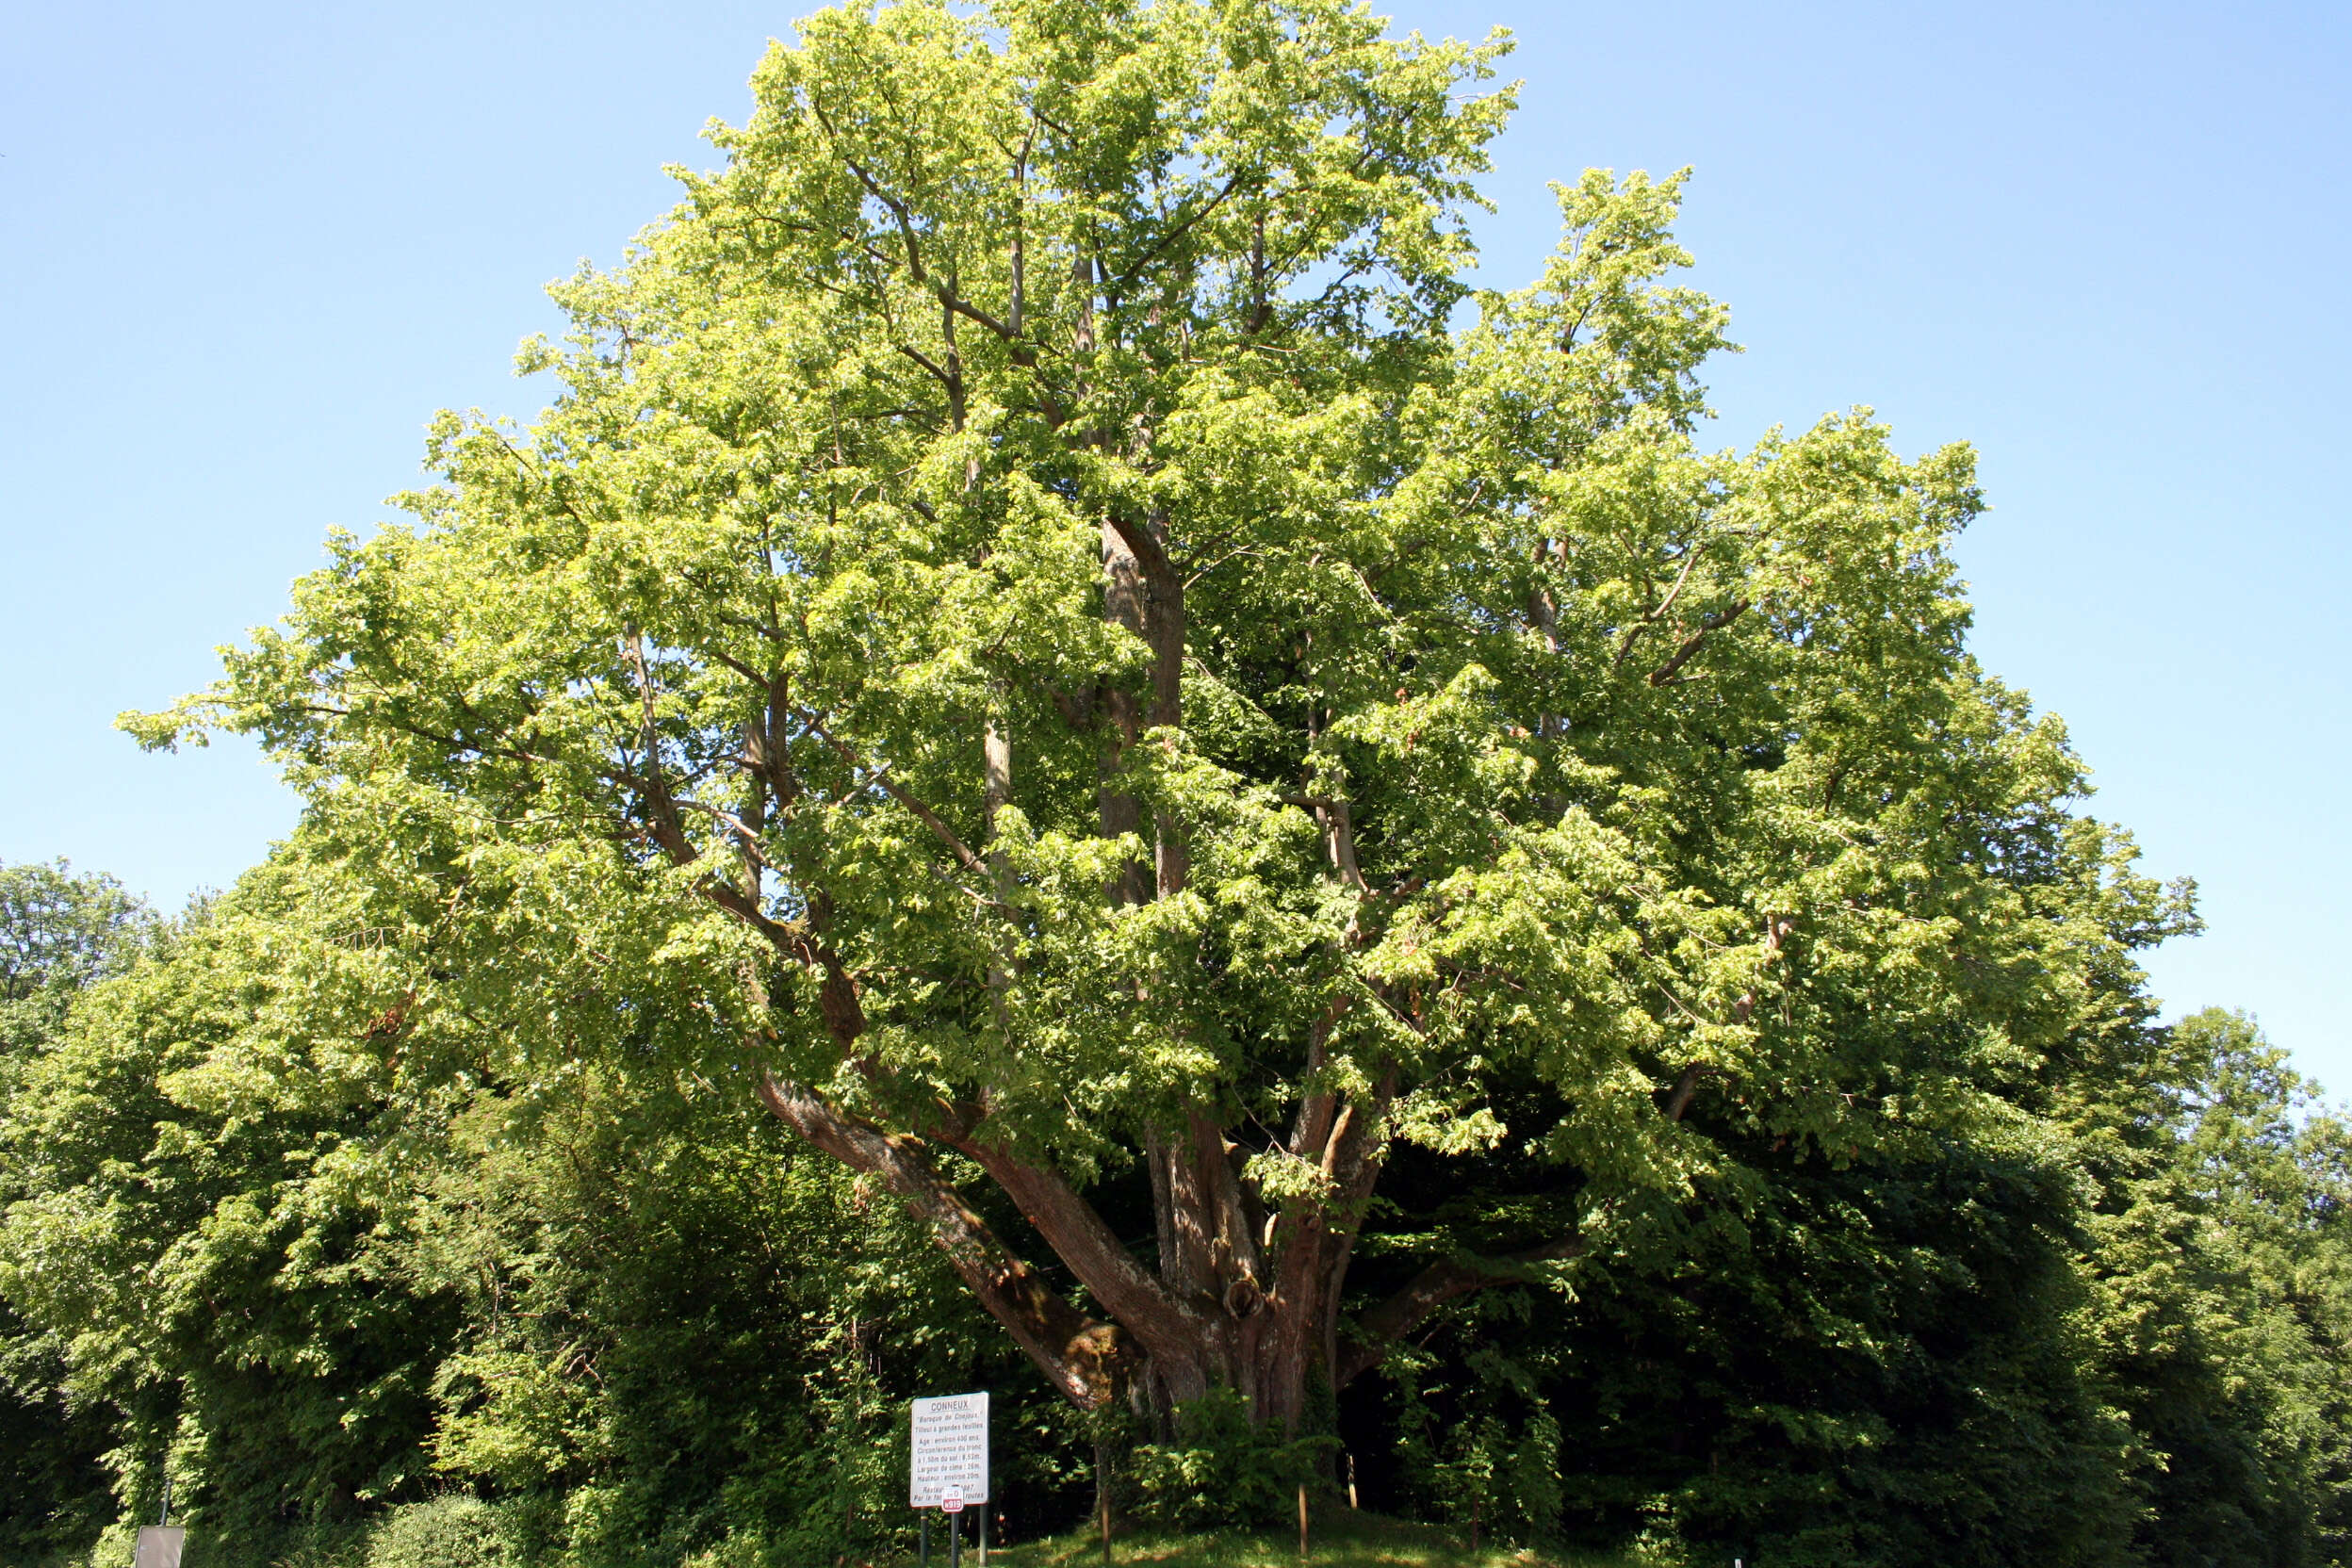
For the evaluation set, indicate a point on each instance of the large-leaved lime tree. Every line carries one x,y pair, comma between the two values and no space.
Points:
1048,635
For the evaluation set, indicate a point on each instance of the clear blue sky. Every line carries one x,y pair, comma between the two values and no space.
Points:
248,249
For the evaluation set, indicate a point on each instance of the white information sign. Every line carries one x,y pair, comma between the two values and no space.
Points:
951,1451
159,1546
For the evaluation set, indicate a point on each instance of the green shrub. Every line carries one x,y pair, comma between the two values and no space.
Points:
455,1531
1223,1468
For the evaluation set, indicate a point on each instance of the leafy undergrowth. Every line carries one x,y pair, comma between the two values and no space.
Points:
1340,1540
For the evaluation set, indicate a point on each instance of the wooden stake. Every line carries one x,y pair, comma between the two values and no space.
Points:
1102,1496
1302,1521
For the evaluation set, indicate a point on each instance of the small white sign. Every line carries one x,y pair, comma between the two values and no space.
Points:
159,1546
951,1452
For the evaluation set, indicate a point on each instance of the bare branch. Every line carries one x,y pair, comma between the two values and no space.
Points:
1658,611
1714,623
1119,285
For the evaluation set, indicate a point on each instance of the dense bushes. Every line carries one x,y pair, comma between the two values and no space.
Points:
452,1531
626,1311
1216,1466
2119,1339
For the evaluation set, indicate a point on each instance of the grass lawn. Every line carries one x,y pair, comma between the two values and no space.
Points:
1338,1539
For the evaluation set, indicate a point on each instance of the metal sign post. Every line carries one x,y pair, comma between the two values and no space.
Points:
161,1542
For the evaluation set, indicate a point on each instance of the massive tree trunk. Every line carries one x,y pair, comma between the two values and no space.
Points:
1260,1314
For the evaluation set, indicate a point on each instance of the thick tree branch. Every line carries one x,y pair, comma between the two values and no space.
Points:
1149,554
1165,1324
1382,1326
662,819
1233,1244
1351,1161
1080,1356
1318,1106
1686,1088
1658,611
953,383
978,317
